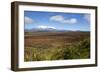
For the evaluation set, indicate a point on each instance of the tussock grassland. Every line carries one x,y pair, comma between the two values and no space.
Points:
42,46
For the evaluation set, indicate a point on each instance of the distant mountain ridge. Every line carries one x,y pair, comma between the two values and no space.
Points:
43,30
51,30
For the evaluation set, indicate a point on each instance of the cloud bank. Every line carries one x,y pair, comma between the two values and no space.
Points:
61,19
28,20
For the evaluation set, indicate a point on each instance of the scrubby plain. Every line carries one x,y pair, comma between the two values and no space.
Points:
41,46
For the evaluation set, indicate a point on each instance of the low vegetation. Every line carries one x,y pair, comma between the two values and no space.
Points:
56,47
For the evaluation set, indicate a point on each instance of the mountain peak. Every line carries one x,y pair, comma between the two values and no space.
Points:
46,27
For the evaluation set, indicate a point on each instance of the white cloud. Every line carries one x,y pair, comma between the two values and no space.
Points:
61,19
57,18
45,27
70,21
87,17
28,20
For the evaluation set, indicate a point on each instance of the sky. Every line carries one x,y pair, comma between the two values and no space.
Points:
57,20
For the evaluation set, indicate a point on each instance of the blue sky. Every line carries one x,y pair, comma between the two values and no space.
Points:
56,20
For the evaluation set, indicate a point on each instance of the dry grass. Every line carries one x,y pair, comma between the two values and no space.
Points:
56,46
